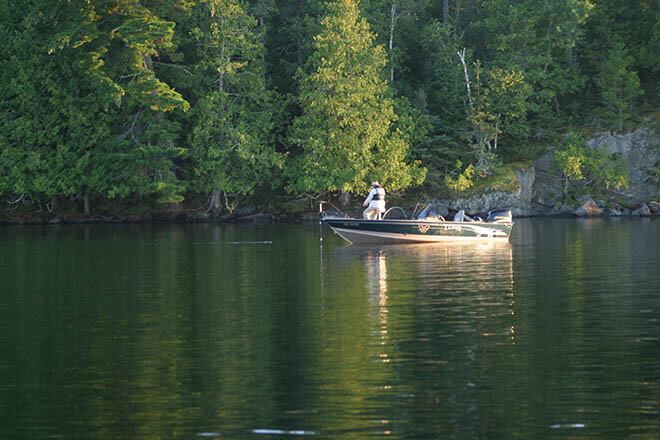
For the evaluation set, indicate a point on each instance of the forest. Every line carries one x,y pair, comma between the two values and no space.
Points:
221,103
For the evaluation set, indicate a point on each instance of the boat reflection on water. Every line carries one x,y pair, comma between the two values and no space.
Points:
426,324
463,287
376,286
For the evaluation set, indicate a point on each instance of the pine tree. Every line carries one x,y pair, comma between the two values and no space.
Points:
52,120
537,39
347,134
120,46
232,118
618,83
441,97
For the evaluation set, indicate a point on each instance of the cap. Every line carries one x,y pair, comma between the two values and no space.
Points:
374,184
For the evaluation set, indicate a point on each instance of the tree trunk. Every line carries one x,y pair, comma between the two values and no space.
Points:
53,203
215,201
345,199
148,62
445,12
461,55
86,210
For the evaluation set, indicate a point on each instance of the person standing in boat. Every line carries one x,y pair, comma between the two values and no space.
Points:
375,203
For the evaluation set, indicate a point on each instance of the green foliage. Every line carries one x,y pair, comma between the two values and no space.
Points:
619,85
636,25
83,74
232,118
592,168
440,98
157,101
538,39
463,181
346,132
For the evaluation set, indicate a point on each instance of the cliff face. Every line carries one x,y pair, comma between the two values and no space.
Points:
641,150
519,199
537,190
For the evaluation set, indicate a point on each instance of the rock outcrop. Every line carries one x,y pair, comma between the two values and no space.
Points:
641,151
537,190
517,197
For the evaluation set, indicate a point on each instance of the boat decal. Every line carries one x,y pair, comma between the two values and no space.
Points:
452,228
423,228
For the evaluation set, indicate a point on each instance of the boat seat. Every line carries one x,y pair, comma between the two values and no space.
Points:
461,216
429,214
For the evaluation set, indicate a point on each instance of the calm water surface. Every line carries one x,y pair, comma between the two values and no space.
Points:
219,331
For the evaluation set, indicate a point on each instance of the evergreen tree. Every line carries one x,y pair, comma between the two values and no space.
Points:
619,85
537,39
232,117
440,96
393,21
120,46
53,119
347,132
636,25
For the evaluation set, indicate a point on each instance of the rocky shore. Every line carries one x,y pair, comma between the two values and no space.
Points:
532,191
537,189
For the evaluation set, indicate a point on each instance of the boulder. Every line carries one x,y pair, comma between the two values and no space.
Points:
588,208
442,210
567,209
643,210
612,212
654,207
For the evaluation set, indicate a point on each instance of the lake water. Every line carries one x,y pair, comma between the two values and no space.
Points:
233,331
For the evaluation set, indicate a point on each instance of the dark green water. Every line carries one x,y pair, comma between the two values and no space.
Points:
189,332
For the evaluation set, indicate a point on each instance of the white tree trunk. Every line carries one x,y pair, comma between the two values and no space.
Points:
461,55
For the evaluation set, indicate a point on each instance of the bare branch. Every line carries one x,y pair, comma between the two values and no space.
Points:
184,68
17,200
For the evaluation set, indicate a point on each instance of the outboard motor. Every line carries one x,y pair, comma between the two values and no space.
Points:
499,216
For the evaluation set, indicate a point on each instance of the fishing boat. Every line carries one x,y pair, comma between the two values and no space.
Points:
426,227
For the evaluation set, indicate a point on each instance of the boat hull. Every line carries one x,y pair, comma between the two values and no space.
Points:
359,231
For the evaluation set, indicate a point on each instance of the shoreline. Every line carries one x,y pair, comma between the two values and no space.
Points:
254,218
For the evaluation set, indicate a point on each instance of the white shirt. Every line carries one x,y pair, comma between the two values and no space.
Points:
376,204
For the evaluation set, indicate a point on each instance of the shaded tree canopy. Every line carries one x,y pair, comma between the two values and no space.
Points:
219,100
